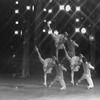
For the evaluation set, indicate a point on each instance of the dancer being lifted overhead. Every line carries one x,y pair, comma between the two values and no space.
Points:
59,39
48,65
71,46
75,63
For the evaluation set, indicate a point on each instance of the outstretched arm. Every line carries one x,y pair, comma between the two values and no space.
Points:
90,66
39,55
75,44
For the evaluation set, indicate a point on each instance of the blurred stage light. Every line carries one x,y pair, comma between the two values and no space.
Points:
44,30
61,7
91,37
45,20
16,11
28,7
67,8
21,32
16,22
78,8
56,32
50,11
14,56
50,1
16,32
16,2
44,9
49,22
83,30
50,32
33,8
77,20
77,30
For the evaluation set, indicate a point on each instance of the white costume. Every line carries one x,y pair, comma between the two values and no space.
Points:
75,62
87,74
59,76
48,63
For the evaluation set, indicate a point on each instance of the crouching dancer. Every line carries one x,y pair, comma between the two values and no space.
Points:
48,64
87,73
59,75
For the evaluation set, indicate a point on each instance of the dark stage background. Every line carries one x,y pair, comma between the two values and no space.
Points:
11,45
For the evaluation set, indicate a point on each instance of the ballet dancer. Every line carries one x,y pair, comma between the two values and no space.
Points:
59,75
87,73
71,46
75,63
48,65
59,39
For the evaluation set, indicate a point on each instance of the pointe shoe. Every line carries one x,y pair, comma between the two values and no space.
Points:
90,87
63,88
45,84
72,82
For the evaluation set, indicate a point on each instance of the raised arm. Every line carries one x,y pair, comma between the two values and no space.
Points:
90,66
75,44
39,55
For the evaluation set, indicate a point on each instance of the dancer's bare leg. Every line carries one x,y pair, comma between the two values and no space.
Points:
72,77
45,79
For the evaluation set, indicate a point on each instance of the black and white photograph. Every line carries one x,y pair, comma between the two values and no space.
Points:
49,49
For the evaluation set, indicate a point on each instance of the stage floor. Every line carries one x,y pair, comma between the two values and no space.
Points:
16,88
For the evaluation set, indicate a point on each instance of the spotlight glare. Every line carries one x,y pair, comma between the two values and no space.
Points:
49,22
45,20
61,7
77,20
44,30
33,8
16,32
50,1
77,30
78,8
50,11
56,32
50,32
91,37
28,7
83,30
17,2
68,8
44,9
16,11
16,22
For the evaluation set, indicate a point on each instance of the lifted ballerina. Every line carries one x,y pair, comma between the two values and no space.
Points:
48,64
59,39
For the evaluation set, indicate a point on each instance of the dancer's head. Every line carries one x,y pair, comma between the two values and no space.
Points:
84,60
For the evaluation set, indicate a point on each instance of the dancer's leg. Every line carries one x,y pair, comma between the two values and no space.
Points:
45,79
72,77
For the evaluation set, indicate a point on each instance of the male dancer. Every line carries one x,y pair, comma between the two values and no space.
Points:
59,40
48,64
71,46
87,73
75,63
59,75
